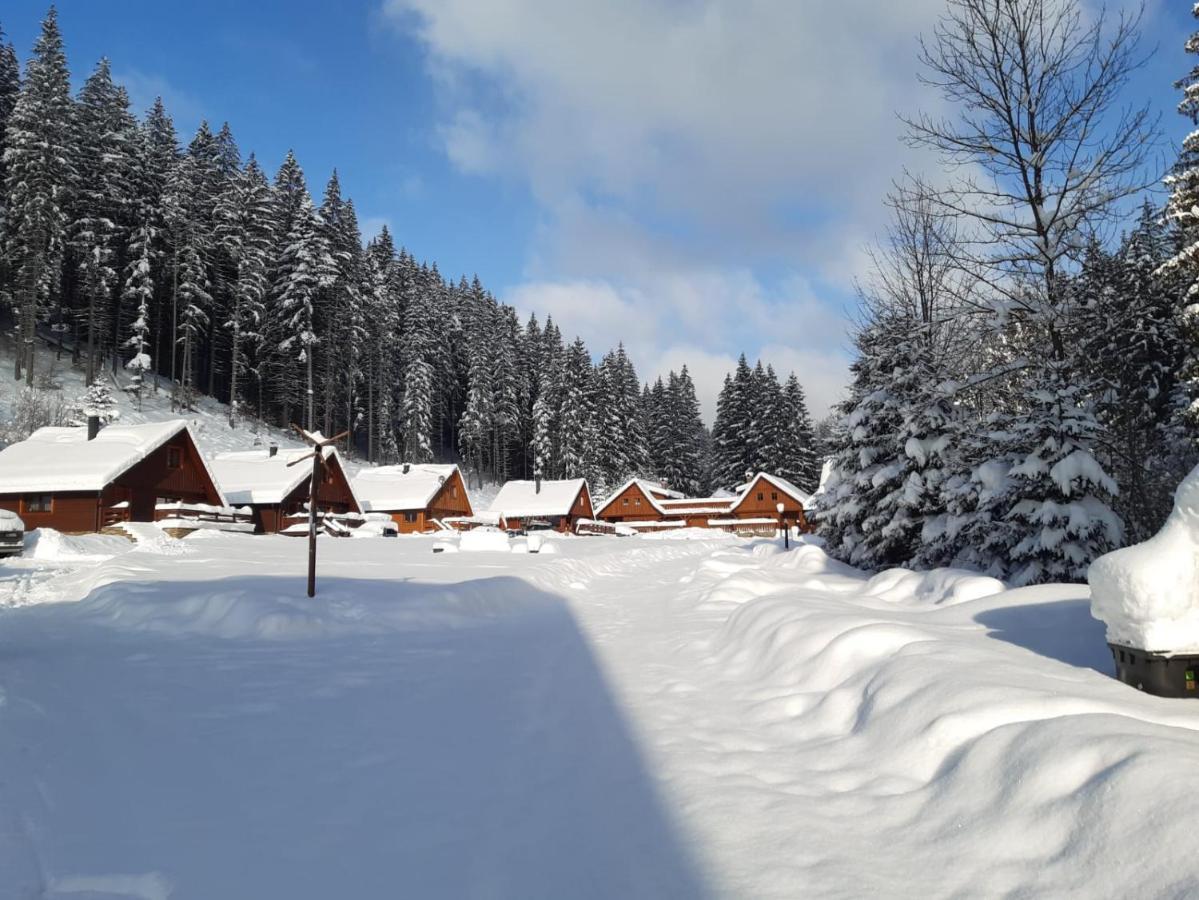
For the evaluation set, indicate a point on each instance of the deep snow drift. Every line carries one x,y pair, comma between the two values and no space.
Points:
615,717
1148,594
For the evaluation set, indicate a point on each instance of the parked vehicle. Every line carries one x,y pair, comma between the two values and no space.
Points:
12,534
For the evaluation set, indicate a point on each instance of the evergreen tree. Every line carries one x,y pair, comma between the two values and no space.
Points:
800,461
1183,210
104,203
139,295
245,216
38,180
576,416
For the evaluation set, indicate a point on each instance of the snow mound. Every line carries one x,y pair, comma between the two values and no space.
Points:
277,609
48,545
1148,594
484,540
939,587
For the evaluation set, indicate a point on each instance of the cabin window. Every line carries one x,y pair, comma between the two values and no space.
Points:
161,500
625,502
410,518
774,495
637,501
174,458
760,496
454,492
328,476
39,503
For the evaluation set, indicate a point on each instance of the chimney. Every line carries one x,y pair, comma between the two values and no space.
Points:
407,468
93,427
272,449
537,483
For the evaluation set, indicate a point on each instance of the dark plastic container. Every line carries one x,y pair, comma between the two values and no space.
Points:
1156,673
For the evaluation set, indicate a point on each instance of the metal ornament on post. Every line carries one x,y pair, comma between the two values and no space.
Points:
318,444
783,527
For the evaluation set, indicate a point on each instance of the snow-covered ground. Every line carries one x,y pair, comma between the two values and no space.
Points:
637,717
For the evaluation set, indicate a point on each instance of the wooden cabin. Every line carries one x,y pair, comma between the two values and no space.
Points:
636,502
756,507
753,509
416,496
85,479
553,504
276,492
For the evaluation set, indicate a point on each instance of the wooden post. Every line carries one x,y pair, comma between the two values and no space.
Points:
317,465
319,443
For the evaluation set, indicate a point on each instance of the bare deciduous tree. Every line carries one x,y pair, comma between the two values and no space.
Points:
1042,151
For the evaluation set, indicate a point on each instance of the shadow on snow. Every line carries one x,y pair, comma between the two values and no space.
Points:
485,761
1063,630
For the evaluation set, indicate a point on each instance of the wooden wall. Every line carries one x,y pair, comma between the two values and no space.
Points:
630,505
767,507
71,513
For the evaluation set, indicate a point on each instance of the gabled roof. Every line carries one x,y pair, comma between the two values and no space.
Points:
63,459
651,490
781,484
248,477
392,489
521,500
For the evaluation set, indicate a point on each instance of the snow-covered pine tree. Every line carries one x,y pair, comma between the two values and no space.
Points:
1182,209
1058,491
98,401
10,87
245,215
547,421
774,422
139,296
576,416
38,180
159,152
1129,342
304,270
799,462
103,204
734,431
869,464
611,420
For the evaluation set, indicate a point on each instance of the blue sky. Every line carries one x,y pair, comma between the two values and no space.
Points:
696,178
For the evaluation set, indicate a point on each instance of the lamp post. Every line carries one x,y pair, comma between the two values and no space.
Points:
783,528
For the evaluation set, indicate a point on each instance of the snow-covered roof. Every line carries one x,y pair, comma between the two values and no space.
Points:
256,477
393,489
521,499
63,459
782,484
654,492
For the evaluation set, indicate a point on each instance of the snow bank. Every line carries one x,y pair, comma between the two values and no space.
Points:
249,607
48,545
1148,594
483,540
939,587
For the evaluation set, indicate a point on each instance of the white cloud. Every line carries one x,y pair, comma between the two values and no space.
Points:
704,169
688,318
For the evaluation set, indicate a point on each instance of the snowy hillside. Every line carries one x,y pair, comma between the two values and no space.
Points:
619,718
59,380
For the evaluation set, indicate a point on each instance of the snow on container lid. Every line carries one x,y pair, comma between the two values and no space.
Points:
1148,594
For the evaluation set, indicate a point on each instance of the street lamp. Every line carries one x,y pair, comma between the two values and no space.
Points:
783,527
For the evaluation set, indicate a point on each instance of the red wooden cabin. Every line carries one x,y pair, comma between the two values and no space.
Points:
416,496
276,492
530,504
79,480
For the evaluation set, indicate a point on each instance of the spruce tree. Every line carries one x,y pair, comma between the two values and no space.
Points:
104,204
1182,209
39,179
